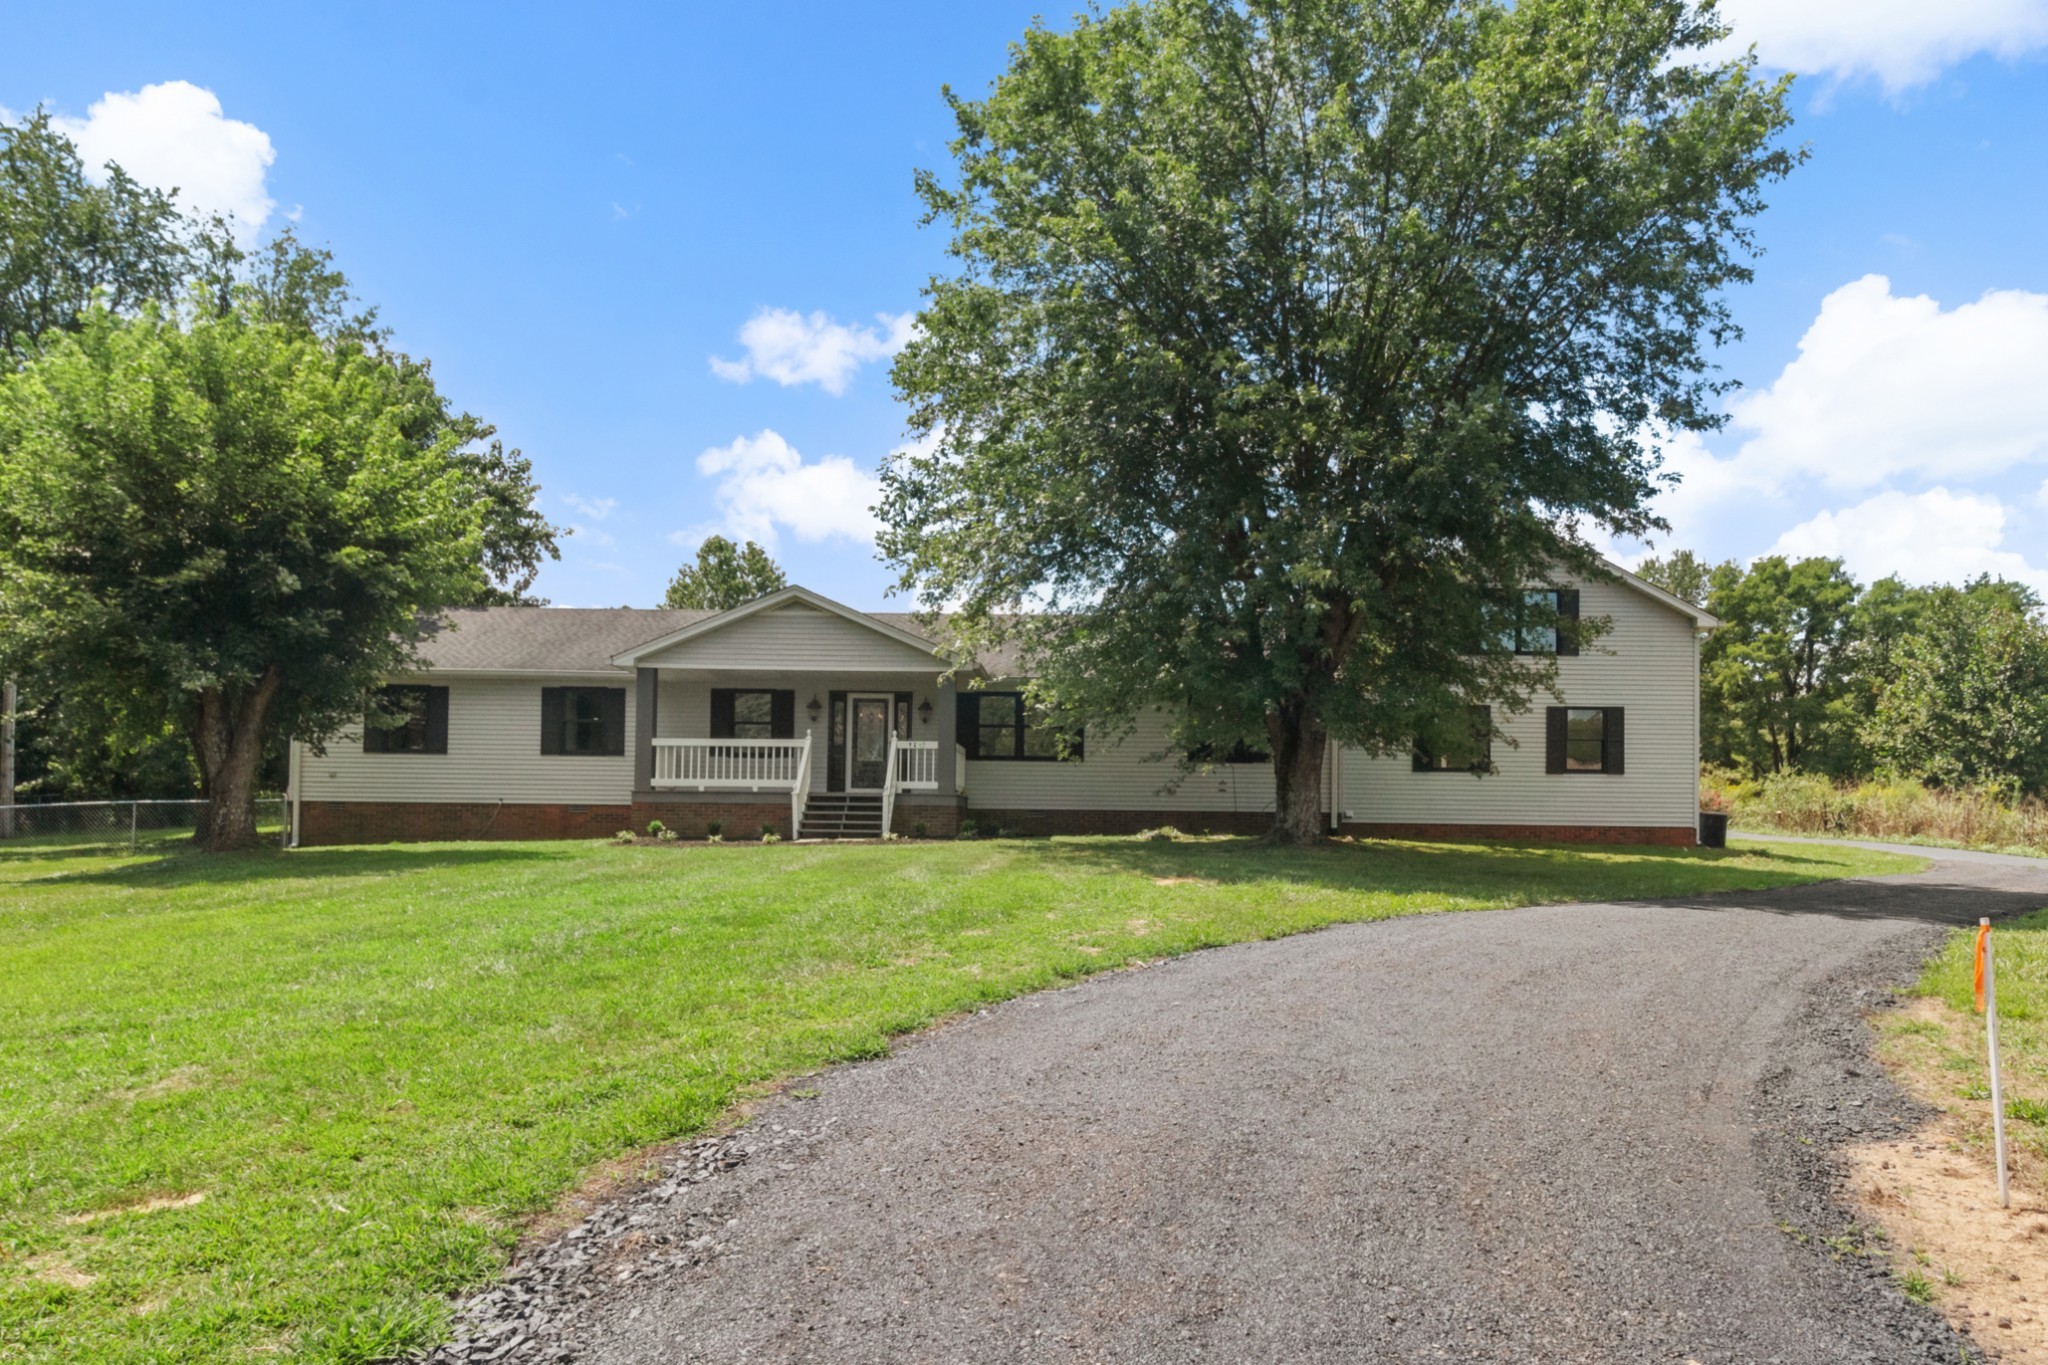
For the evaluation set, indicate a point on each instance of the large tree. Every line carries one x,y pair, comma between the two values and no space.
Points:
66,242
1294,343
229,524
1966,700
725,575
1777,679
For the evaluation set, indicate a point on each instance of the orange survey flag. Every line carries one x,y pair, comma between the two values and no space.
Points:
1983,933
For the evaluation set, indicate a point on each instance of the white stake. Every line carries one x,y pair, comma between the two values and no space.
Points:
1997,1090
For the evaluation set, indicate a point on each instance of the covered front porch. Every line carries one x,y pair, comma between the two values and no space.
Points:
846,751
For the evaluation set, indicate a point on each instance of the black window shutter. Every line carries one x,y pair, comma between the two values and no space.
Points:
721,713
835,743
551,719
1553,738
1420,761
612,706
437,720
969,728
1613,746
782,716
376,739
1567,633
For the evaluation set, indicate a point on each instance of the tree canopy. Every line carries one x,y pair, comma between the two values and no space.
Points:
230,500
1290,343
725,575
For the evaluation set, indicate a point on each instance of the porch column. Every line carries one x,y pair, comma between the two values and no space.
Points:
949,735
646,681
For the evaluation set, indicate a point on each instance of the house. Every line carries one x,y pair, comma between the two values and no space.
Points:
797,714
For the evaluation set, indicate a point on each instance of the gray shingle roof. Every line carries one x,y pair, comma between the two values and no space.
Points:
569,639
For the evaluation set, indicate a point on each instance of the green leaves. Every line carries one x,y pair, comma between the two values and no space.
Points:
1286,334
724,576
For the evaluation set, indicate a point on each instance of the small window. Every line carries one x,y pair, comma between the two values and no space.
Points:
1534,629
998,725
1585,739
1205,755
1470,753
422,714
753,715
583,721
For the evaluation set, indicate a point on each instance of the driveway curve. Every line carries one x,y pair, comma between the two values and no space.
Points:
1562,1133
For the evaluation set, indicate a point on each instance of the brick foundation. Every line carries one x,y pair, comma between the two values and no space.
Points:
1672,836
941,820
1041,822
419,822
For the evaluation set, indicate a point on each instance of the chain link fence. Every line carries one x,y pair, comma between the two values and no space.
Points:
121,825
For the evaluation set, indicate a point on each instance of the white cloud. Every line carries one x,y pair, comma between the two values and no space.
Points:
1887,386
790,348
597,509
764,485
174,136
1931,537
1901,43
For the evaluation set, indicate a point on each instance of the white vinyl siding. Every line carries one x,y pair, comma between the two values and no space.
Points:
493,754
1646,664
792,637
1133,774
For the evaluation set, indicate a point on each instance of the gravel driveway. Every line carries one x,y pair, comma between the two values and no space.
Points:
1563,1133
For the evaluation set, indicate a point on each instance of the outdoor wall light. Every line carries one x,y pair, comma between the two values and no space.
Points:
814,708
924,710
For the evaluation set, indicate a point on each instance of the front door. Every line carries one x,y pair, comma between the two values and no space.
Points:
867,743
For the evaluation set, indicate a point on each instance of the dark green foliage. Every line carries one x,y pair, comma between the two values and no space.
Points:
1966,702
724,576
1289,342
1776,674
65,242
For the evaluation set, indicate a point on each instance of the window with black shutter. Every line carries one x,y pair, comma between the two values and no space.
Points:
1584,739
752,713
585,722
422,716
1000,726
1543,622
1469,752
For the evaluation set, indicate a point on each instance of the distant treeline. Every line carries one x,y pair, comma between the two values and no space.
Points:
1813,673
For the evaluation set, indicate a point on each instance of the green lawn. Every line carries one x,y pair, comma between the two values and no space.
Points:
2021,952
279,1105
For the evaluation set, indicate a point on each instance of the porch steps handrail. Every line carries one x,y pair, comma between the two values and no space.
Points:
800,791
889,787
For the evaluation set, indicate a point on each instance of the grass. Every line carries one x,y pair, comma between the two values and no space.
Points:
1956,1043
279,1106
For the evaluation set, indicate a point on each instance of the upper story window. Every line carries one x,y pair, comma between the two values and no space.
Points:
1233,755
1537,614
1468,752
422,728
583,721
1000,725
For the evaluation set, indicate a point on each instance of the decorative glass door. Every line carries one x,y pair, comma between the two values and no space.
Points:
867,755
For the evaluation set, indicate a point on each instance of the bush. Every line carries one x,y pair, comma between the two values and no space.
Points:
714,828
624,836
667,836
917,829
769,836
1799,803
655,829
1165,834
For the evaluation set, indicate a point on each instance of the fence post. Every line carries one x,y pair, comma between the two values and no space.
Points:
134,824
7,699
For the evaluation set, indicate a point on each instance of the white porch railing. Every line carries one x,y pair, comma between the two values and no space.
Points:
917,765
960,769
890,784
732,764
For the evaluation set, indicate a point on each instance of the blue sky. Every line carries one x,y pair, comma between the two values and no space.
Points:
667,249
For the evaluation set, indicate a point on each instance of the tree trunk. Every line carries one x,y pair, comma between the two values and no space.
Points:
230,732
1299,742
